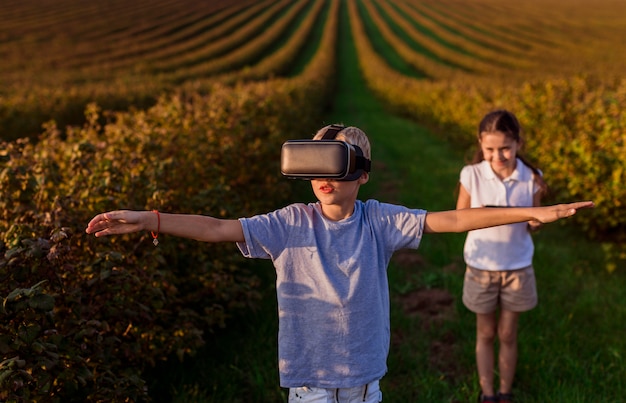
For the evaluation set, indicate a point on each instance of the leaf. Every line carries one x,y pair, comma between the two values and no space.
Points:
29,333
42,302
4,374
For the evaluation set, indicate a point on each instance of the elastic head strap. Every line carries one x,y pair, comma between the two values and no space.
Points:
360,163
332,132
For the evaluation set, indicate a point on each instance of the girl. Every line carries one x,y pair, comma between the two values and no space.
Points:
499,271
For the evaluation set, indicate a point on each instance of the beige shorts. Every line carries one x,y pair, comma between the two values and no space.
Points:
512,290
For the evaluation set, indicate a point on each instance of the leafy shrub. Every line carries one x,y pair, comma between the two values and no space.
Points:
83,317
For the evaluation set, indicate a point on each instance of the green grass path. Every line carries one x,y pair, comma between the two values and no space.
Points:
411,166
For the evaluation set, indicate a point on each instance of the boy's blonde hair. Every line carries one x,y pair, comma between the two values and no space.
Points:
351,135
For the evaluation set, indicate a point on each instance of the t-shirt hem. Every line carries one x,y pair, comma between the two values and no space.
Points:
316,383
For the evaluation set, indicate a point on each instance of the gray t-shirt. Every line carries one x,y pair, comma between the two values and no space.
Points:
333,296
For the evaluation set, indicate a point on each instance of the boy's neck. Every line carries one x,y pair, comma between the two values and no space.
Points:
336,212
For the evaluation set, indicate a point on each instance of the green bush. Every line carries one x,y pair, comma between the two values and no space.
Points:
83,317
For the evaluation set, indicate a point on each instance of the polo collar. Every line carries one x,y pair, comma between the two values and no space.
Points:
517,175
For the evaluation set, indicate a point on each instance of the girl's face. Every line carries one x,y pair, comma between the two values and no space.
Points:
500,151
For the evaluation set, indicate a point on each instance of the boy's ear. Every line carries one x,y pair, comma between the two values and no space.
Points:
365,177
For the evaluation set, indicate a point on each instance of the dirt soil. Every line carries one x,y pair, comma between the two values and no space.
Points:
433,306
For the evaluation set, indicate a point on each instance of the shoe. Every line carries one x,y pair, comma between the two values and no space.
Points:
505,397
484,398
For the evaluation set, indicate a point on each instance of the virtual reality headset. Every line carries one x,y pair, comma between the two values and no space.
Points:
323,159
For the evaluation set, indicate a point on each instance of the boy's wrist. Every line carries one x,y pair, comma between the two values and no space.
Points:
149,220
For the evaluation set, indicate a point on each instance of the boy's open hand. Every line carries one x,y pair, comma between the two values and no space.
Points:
552,213
116,222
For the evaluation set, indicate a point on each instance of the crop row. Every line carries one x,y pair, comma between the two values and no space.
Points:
449,58
145,49
447,33
91,43
244,54
227,49
166,45
549,38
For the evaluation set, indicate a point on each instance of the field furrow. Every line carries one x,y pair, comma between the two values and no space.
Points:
481,35
209,49
281,61
443,52
137,47
480,51
242,55
70,44
531,28
474,15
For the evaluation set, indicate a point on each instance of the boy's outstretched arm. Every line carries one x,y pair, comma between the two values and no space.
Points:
475,218
198,227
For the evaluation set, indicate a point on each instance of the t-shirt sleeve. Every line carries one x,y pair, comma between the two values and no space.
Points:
248,247
465,178
536,187
266,234
400,226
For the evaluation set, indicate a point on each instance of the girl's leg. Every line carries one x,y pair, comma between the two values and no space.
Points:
507,357
486,327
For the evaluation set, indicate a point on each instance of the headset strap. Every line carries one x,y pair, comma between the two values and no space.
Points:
332,131
360,161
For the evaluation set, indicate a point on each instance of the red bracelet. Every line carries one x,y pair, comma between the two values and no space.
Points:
155,237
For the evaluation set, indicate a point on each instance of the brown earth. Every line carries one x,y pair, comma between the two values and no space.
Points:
433,306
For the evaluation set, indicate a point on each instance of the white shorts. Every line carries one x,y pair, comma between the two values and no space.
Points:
369,393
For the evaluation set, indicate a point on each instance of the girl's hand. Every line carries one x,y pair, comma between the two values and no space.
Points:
118,222
534,225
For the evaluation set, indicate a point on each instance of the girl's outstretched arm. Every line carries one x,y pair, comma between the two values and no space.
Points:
475,218
198,227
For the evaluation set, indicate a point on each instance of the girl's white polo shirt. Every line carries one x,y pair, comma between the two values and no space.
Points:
505,247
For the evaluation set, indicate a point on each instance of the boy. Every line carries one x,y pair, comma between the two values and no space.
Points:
331,259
